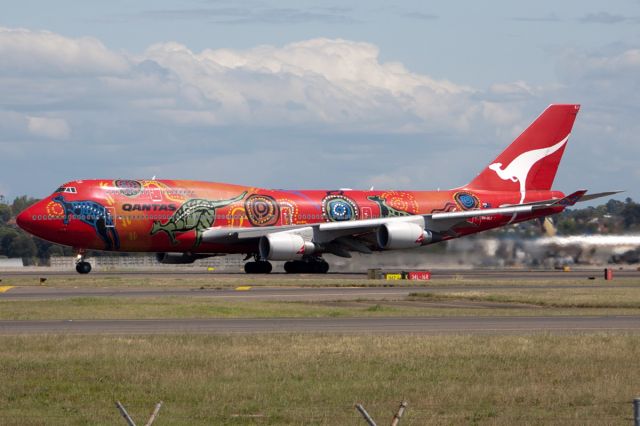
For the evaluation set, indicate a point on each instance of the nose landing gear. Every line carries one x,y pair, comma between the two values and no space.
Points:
82,266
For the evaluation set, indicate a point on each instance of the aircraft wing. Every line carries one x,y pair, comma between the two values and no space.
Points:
328,231
356,235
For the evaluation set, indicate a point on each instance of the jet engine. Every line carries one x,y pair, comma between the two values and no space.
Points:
285,246
178,258
402,235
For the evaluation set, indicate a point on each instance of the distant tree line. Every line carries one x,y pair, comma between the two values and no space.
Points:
613,217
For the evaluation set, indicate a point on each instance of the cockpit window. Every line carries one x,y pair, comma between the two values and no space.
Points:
67,189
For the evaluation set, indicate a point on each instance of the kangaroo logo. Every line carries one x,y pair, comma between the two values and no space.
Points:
518,170
93,214
195,214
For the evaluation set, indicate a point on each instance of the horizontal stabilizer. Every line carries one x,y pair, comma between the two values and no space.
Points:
598,195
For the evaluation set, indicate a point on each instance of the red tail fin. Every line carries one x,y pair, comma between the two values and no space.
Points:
531,161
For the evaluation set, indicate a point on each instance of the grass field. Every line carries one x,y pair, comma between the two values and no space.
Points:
202,307
226,281
289,379
316,379
596,297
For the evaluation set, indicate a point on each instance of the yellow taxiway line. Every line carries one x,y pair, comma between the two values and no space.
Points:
243,288
5,288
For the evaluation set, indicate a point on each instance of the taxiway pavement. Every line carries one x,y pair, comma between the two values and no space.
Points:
249,293
463,274
403,325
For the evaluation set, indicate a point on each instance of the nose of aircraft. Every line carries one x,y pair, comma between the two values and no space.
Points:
33,219
26,219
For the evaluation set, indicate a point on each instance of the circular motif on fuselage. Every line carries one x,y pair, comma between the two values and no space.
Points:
466,201
54,209
338,208
401,200
130,188
262,210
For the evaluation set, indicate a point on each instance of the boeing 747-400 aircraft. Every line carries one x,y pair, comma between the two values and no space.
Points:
187,220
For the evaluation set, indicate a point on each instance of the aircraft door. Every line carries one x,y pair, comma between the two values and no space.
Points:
110,219
286,215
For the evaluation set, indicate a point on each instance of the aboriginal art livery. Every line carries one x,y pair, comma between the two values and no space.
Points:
186,220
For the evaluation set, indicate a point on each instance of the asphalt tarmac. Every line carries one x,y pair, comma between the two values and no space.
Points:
249,293
396,289
399,290
471,274
417,325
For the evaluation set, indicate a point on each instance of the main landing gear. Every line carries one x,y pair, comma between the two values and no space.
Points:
311,265
308,265
258,266
82,266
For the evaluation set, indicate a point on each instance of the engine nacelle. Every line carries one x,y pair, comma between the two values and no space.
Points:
178,258
402,235
285,246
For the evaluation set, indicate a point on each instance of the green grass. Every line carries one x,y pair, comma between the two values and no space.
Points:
592,300
214,280
316,379
596,297
202,307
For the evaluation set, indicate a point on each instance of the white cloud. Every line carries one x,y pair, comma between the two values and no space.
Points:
316,81
49,54
607,65
500,114
272,114
52,128
320,82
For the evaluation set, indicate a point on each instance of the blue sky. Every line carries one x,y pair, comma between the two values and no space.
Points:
304,94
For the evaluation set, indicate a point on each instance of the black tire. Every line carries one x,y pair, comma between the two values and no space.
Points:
261,267
266,267
250,267
322,267
83,267
291,267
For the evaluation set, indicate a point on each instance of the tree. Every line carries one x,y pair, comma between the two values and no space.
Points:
23,246
5,213
631,215
7,235
615,207
22,202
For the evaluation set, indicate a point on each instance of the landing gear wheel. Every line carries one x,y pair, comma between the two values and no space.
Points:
306,267
260,267
322,267
292,267
83,267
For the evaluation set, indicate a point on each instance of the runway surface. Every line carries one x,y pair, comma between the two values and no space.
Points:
297,291
264,293
418,325
257,290
464,274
